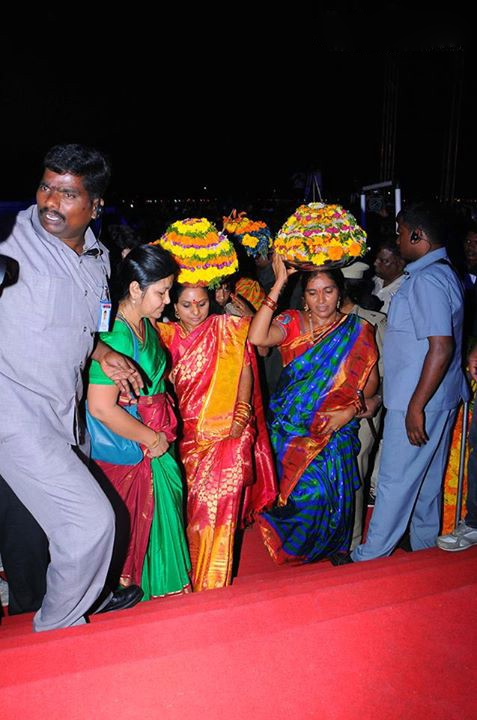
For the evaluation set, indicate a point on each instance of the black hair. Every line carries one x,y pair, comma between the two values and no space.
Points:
428,216
389,243
247,265
124,237
471,228
334,274
360,292
146,265
177,290
83,161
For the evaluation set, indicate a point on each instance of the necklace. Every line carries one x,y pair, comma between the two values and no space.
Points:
138,331
186,331
322,328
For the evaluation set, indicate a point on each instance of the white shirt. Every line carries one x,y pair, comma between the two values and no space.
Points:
385,293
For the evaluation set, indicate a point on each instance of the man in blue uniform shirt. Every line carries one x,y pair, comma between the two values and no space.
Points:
423,385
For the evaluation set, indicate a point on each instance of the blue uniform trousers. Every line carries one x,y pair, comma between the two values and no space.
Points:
409,486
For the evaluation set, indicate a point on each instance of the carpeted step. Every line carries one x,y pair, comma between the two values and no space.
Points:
289,626
377,640
421,569
273,581
344,591
289,580
390,664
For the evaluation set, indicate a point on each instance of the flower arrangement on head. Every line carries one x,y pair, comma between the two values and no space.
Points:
254,235
319,235
204,255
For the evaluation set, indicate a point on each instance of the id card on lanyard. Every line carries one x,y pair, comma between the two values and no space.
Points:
105,307
104,315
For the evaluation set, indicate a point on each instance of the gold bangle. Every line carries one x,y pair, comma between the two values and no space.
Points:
270,303
237,422
156,443
242,404
242,410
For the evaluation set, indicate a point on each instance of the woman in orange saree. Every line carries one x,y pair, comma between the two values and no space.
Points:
224,445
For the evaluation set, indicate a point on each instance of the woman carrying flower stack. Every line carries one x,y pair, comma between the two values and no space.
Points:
329,360
224,445
253,241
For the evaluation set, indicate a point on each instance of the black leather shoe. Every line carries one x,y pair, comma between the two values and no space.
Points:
405,543
340,558
124,598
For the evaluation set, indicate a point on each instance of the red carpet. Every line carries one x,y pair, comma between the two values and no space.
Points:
388,639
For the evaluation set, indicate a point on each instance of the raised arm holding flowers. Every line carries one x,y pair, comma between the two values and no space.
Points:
328,360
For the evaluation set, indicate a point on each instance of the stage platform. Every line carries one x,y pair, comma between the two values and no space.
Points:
391,639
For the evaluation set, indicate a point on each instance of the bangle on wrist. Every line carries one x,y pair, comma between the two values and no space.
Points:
242,413
270,303
239,423
243,404
155,443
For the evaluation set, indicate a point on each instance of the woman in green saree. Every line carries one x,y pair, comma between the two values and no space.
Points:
157,556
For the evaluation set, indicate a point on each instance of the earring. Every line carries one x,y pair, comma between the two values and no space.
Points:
306,308
338,304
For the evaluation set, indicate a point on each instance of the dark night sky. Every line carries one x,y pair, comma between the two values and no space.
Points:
240,108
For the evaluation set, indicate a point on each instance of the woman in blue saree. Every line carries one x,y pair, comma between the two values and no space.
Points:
329,370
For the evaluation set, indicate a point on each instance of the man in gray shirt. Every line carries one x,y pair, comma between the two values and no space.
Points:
48,324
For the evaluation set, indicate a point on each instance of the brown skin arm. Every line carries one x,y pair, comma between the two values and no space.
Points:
102,404
262,351
373,401
338,418
436,362
262,331
118,368
244,393
241,306
246,311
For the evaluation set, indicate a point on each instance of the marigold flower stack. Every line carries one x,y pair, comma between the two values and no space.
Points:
204,255
319,235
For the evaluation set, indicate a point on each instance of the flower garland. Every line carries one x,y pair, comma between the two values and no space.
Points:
204,255
320,234
254,235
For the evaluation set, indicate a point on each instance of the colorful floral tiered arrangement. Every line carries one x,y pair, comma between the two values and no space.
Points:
319,235
204,255
253,235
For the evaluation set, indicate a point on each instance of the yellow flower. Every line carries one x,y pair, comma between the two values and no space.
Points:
192,226
318,259
249,241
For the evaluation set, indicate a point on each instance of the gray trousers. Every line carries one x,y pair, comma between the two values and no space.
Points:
409,486
67,502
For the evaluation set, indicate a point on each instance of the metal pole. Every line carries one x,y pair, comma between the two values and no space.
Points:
463,443
397,199
362,205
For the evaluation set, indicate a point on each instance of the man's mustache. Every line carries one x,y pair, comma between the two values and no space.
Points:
45,210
